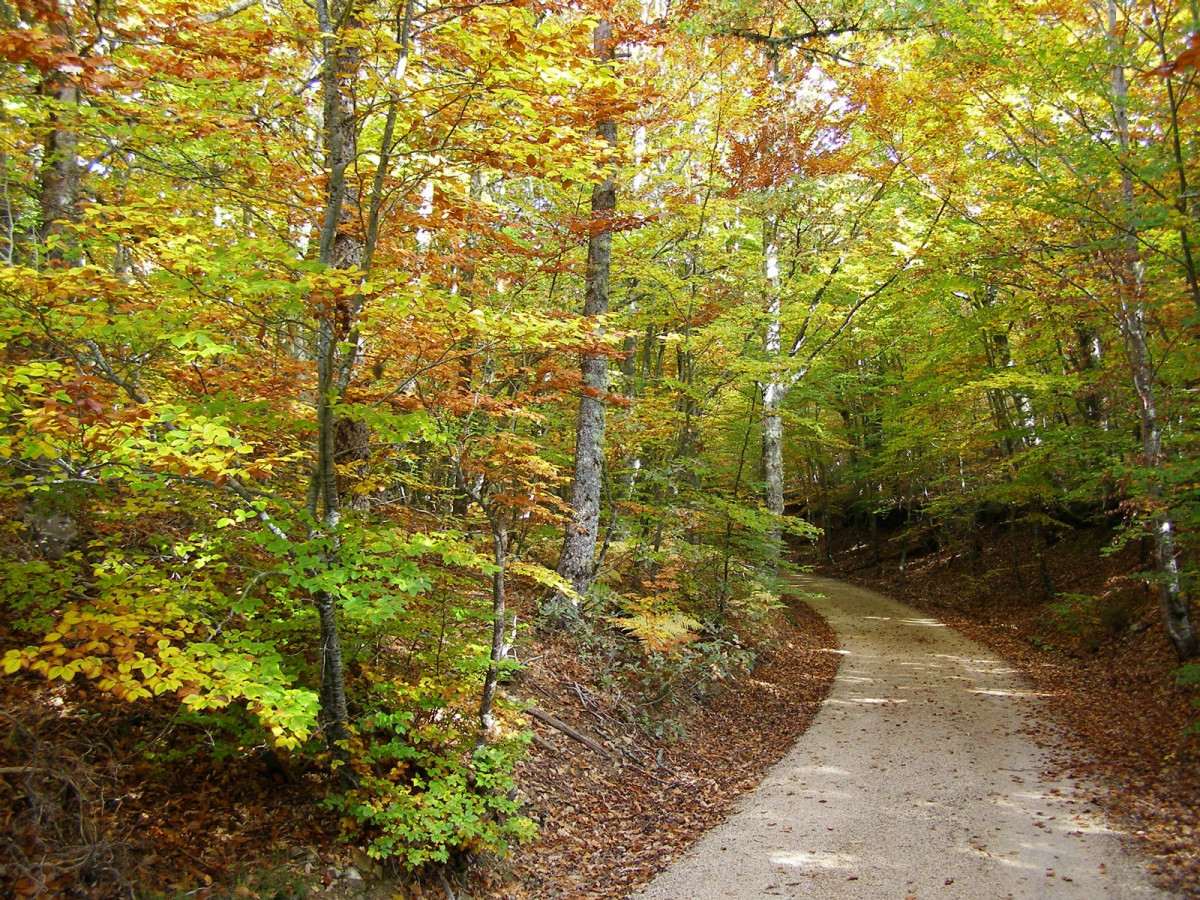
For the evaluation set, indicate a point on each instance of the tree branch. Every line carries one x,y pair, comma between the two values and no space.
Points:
793,39
239,6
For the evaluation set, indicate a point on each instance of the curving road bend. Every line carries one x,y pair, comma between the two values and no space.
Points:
921,777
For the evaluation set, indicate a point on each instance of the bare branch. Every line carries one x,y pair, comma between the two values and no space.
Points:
233,9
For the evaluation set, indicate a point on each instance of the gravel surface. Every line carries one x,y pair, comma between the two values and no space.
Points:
927,774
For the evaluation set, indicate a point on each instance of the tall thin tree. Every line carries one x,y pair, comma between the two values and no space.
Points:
577,563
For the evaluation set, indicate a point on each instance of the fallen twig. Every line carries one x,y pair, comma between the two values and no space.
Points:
560,725
544,743
570,732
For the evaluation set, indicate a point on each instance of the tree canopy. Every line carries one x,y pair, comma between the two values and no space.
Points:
325,324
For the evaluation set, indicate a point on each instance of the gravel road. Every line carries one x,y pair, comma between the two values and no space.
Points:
921,777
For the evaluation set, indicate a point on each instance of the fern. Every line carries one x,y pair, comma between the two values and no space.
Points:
660,632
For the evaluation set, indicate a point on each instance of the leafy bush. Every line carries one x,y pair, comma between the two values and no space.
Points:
1074,613
425,793
1092,617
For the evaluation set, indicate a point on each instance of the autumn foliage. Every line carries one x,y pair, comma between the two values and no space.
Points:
290,351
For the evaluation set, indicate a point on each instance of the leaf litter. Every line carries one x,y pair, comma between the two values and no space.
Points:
102,799
608,827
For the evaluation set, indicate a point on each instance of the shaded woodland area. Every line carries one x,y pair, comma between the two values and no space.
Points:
379,376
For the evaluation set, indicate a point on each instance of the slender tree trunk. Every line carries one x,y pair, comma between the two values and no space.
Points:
774,390
60,172
631,464
874,526
58,178
492,679
974,540
772,448
1039,545
334,710
341,247
1184,194
737,483
999,357
8,216
335,713
826,514
1176,611
1091,356
1015,553
578,560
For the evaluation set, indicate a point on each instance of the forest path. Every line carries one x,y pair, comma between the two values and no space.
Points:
921,777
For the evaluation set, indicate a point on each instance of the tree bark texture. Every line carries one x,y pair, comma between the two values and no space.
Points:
492,679
1176,610
772,442
340,247
60,172
577,562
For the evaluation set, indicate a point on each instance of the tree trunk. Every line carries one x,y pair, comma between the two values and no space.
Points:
737,483
341,247
335,715
1091,357
1039,545
1184,193
774,391
492,679
999,358
60,172
772,448
1176,612
1015,553
826,514
578,560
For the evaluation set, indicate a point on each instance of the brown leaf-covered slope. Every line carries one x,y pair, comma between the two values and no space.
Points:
100,798
1105,666
609,827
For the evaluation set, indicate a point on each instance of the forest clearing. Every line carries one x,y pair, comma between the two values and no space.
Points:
417,418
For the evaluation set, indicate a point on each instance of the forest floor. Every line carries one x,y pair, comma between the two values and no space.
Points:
128,794
607,828
1103,664
127,798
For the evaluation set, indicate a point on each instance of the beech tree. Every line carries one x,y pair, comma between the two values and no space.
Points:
300,409
577,562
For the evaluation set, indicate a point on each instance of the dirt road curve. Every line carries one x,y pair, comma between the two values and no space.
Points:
920,778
